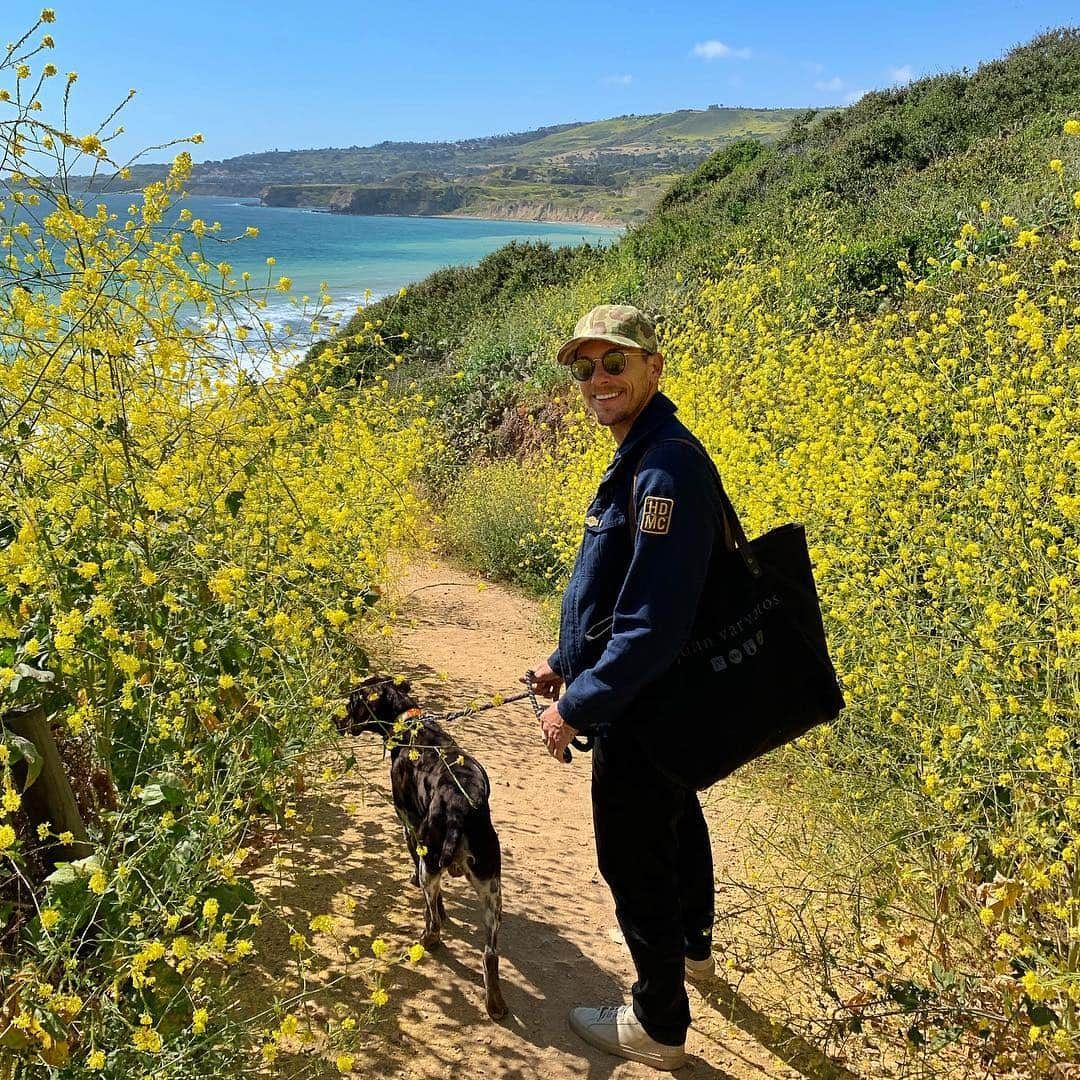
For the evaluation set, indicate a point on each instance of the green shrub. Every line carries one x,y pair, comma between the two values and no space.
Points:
713,170
436,314
492,520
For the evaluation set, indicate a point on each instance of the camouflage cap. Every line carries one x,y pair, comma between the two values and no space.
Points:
617,323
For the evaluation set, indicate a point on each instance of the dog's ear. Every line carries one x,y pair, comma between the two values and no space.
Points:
396,697
362,710
375,703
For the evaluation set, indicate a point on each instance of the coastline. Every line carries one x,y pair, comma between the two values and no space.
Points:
590,221
541,215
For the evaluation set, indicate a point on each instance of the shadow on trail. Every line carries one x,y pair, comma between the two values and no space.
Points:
787,1045
436,1007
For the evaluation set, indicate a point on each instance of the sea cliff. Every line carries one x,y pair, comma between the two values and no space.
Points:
540,211
431,200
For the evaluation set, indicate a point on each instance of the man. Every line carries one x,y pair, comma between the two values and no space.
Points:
627,613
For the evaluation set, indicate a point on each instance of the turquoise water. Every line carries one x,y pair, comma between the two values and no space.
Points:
354,253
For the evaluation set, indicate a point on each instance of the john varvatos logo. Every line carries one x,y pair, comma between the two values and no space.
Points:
743,636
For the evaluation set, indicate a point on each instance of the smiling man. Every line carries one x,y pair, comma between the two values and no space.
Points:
627,613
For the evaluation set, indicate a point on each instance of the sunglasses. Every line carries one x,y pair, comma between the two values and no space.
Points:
614,362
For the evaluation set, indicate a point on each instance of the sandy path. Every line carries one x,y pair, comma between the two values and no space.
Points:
560,944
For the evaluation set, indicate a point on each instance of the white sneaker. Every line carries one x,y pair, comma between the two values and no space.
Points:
617,1030
701,970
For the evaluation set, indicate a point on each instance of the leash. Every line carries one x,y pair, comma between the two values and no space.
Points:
581,743
494,704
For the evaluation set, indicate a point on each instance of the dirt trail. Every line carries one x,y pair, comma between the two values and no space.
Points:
560,944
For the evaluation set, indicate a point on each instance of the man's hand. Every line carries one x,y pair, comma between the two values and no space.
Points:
557,733
545,682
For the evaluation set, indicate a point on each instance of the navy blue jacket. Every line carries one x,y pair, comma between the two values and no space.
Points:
630,605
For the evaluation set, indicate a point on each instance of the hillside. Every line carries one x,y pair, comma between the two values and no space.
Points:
893,174
612,170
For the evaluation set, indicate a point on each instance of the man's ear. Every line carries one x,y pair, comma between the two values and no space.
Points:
656,365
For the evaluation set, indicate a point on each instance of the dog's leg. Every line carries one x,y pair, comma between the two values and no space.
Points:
431,883
410,843
489,890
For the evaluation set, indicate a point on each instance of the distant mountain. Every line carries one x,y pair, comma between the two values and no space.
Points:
613,169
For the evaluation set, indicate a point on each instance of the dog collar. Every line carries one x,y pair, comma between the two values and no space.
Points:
408,714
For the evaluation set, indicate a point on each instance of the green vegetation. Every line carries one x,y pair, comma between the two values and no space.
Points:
658,132
493,521
895,171
492,306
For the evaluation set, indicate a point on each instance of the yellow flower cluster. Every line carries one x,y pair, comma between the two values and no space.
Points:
194,536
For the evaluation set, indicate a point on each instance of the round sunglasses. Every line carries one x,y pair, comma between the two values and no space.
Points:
613,361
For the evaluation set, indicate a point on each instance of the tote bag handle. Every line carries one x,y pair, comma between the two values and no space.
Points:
733,532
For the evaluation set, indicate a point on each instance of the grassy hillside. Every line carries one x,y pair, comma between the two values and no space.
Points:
388,159
658,131
605,170
895,169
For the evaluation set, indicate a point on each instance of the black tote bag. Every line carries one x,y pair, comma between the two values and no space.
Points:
756,672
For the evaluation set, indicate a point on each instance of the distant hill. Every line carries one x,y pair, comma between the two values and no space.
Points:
605,170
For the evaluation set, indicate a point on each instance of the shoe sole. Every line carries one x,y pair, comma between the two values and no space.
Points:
627,1052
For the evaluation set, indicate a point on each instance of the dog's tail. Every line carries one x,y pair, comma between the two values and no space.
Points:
440,834
456,815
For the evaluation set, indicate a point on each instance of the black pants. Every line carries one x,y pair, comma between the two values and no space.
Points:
652,846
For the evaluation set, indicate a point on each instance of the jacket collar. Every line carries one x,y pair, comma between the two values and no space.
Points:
659,409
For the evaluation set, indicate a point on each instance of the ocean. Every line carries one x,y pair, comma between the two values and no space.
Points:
350,253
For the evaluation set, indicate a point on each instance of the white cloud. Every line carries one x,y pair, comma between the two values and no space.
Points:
617,80
901,74
717,50
830,86
854,96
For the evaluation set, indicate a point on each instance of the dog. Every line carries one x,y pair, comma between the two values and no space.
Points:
441,797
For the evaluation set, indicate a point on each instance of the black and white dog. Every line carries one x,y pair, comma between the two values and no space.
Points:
441,797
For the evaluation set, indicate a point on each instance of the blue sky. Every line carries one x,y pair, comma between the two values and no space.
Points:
254,76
